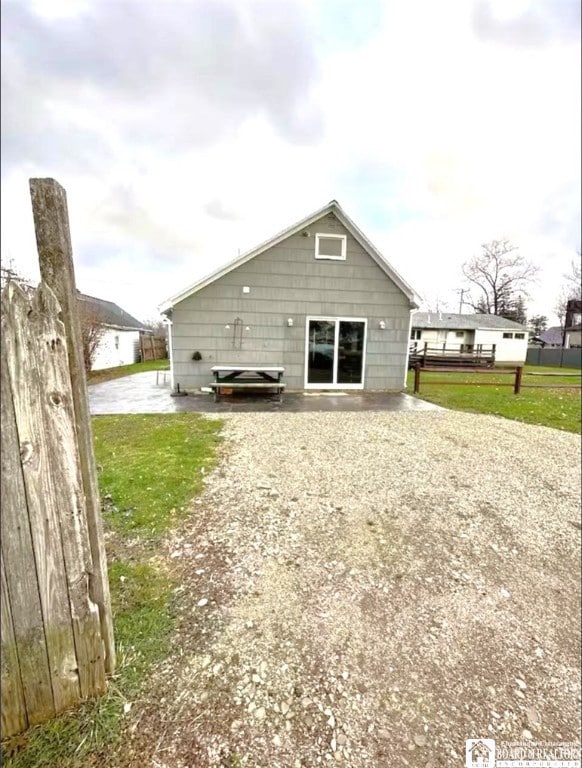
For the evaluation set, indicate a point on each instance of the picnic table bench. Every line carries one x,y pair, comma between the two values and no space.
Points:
247,377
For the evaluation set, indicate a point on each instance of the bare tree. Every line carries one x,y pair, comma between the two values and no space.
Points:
9,273
435,304
560,305
157,325
498,279
92,331
573,278
571,288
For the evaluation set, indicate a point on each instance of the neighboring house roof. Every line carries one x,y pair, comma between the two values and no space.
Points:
456,322
110,314
332,207
555,334
552,335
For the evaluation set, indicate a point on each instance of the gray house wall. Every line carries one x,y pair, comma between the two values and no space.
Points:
287,281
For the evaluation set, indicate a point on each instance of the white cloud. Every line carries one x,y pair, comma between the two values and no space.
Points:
437,126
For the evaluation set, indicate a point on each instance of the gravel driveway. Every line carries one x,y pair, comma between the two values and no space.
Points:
371,589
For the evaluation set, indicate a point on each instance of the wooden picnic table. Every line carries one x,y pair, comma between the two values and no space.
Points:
247,377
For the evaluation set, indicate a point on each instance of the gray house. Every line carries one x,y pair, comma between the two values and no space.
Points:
317,298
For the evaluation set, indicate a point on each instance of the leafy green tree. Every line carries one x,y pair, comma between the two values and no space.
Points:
538,324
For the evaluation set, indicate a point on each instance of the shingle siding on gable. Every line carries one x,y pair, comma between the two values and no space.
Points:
287,281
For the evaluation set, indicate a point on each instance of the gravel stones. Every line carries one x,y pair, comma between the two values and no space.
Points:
375,644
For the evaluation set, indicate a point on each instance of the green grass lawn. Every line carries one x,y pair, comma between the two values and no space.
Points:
553,407
149,469
96,377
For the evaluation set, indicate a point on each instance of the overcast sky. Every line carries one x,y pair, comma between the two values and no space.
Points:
185,132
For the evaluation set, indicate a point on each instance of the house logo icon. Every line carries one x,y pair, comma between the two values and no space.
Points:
480,753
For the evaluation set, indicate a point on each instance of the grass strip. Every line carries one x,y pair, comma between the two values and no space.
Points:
150,468
557,408
107,374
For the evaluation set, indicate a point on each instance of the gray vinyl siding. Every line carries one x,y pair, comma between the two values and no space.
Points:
287,281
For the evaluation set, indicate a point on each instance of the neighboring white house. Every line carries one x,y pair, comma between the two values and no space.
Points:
119,340
468,332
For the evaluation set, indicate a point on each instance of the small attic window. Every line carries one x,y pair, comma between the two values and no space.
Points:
329,246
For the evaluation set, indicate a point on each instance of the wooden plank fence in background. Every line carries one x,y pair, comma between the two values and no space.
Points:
152,347
57,640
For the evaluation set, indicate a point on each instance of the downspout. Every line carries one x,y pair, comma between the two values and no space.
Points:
169,323
412,310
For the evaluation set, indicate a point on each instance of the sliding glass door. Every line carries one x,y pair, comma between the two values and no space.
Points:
335,353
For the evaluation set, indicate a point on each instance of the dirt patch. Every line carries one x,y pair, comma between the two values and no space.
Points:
371,590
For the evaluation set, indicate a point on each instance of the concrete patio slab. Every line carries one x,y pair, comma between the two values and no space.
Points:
140,394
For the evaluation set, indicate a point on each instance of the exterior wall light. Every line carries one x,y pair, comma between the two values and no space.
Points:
382,325
290,322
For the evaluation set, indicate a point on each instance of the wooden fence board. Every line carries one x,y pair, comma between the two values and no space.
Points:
14,717
62,449
152,347
53,238
57,629
21,577
20,344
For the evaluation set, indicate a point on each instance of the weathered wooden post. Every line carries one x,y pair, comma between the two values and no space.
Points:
417,378
51,222
517,384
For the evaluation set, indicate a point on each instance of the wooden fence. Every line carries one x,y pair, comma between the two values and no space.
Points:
57,638
152,347
516,372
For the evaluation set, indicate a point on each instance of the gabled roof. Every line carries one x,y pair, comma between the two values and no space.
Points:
110,314
555,334
455,322
332,207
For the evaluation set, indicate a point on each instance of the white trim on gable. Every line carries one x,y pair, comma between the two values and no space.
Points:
319,236
331,207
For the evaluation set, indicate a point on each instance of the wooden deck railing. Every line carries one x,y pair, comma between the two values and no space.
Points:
459,355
